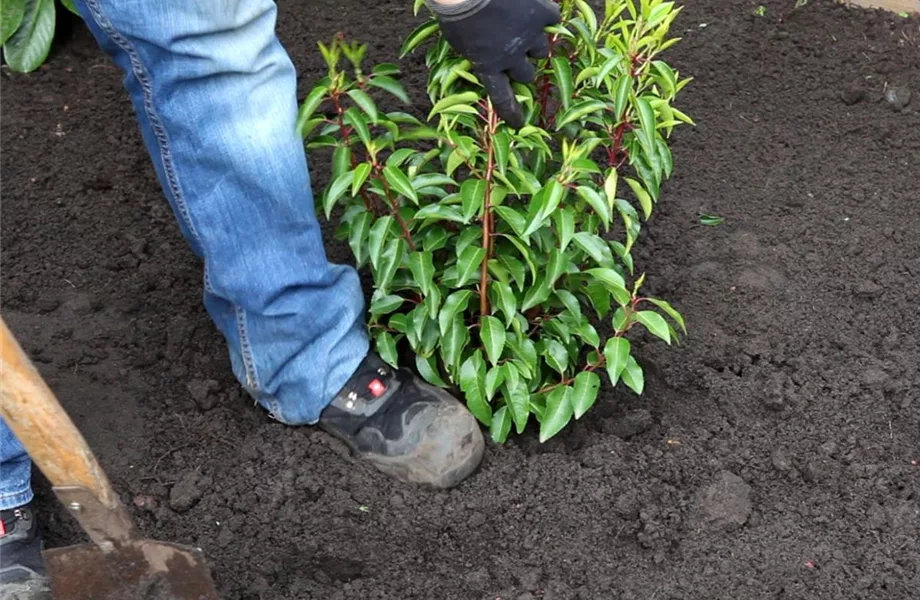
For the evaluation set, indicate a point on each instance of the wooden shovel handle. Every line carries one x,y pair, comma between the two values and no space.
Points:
38,420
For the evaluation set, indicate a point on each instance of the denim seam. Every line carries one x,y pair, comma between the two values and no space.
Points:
16,499
252,377
143,77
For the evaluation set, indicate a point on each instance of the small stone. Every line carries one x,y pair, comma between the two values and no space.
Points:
852,95
868,289
726,503
775,397
874,376
630,424
203,392
781,462
145,502
188,491
898,96
811,471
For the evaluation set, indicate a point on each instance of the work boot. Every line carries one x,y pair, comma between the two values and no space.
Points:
22,568
412,431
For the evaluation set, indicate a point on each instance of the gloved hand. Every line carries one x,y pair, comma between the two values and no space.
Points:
497,36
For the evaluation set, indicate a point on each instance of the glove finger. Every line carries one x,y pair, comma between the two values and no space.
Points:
553,13
522,71
540,48
499,89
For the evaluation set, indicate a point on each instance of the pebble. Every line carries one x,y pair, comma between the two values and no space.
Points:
781,462
898,96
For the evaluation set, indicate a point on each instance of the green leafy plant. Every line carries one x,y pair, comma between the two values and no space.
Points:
27,30
495,252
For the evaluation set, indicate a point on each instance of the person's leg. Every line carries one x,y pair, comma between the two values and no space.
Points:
215,95
22,569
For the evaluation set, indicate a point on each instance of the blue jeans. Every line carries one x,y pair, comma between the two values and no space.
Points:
215,96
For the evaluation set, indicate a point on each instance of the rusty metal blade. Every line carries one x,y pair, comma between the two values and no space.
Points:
136,570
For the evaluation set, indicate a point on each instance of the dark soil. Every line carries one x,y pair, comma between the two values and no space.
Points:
774,455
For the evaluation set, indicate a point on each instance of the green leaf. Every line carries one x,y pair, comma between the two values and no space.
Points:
506,300
494,378
616,354
597,203
28,47
565,226
646,118
385,69
633,376
563,71
431,180
358,122
558,412
501,425
621,95
607,67
463,98
595,247
378,236
492,334
516,268
360,226
428,369
473,193
569,300
549,198
338,187
390,262
517,398
386,348
11,14
390,85
711,220
536,294
455,304
588,333
418,37
671,311
341,160
645,200
517,221
399,157
422,266
400,183
556,356
655,323
361,173
610,187
472,383
610,278
501,142
367,105
584,393
440,212
468,264
582,109
454,342
386,303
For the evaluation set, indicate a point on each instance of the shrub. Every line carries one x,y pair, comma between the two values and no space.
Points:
494,252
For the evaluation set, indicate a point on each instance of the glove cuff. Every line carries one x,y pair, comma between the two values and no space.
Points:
455,12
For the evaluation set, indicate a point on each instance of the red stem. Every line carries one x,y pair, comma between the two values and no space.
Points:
487,216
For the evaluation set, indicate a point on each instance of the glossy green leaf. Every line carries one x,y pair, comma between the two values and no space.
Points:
565,226
504,300
584,392
655,323
594,246
422,266
494,378
670,311
386,348
473,193
357,235
501,142
400,183
492,334
557,357
463,98
365,103
645,200
359,123
616,355
389,262
428,369
468,264
335,191
578,111
501,425
472,383
563,75
597,203
517,399
633,376
418,37
378,236
11,15
390,85
28,47
361,173
455,304
384,304
454,342
557,414
440,212
341,160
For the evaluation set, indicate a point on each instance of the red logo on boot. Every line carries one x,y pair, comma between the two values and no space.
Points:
377,388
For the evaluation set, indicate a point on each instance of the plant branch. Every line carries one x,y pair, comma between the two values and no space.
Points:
395,209
487,214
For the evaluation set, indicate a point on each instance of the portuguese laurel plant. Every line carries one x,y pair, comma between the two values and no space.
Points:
495,251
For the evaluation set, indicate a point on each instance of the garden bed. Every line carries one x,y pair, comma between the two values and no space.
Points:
774,454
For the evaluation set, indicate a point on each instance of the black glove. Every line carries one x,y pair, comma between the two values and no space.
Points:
497,36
